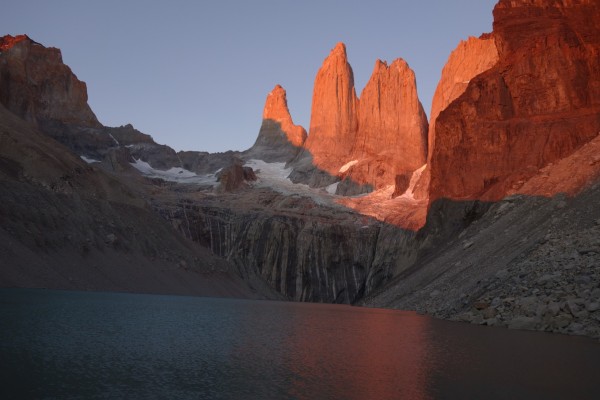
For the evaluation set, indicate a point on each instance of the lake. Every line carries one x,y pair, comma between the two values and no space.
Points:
84,345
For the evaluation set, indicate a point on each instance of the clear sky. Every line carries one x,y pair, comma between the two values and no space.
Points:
195,74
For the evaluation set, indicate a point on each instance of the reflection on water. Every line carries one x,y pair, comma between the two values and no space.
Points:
340,352
99,345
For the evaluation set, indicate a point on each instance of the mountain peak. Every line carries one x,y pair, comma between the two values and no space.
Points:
279,140
58,95
276,107
8,41
339,49
333,120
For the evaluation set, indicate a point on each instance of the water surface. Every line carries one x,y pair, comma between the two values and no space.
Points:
59,344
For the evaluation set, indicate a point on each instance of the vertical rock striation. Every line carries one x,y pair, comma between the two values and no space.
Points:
334,112
366,143
305,251
391,141
470,58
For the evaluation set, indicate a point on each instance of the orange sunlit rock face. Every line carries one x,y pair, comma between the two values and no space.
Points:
334,113
406,211
276,109
392,127
8,41
470,58
372,140
537,105
569,175
37,86
279,140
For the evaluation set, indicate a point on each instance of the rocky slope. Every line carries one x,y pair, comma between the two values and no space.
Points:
67,225
37,86
526,127
523,263
538,104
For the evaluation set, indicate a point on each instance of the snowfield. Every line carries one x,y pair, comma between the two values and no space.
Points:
331,189
174,174
275,177
416,175
347,166
89,160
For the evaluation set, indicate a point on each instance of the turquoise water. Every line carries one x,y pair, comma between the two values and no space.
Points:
81,345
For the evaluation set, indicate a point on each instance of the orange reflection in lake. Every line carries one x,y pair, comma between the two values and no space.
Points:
359,355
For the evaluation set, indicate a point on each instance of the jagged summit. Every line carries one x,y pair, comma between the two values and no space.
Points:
334,111
366,143
57,95
340,48
8,41
279,139
392,127
276,109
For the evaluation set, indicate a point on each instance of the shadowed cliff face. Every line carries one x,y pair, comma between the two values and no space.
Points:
538,104
279,140
37,86
305,250
67,225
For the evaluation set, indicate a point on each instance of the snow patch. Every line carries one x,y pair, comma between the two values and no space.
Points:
347,166
275,177
416,175
175,174
113,138
271,173
331,189
89,160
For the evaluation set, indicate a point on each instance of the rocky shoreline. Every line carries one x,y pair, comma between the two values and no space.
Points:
555,289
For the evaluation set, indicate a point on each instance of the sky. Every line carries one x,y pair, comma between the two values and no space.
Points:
195,74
